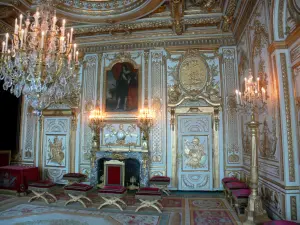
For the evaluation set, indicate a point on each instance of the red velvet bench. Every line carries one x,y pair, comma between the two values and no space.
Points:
77,192
240,199
112,195
74,177
161,182
40,189
149,197
226,180
233,186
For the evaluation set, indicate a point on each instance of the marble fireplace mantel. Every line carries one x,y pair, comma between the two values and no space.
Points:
142,157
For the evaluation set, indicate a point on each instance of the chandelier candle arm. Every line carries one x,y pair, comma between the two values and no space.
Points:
38,64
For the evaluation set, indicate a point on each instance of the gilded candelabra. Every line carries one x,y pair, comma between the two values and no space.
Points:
96,123
145,122
253,100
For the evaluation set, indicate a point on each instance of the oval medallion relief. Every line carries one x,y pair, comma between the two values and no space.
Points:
193,73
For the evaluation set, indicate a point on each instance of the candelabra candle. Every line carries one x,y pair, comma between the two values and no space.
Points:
254,96
59,80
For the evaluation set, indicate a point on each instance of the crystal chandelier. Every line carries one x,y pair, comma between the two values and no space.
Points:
42,61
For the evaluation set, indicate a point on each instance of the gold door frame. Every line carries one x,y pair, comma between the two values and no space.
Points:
175,112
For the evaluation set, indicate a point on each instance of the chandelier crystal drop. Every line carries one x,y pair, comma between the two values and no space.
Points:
40,60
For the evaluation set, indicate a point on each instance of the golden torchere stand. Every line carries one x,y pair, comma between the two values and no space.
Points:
255,212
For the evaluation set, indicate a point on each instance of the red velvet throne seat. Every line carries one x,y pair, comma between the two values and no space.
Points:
114,188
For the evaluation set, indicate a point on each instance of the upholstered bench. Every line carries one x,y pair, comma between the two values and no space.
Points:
149,197
112,195
280,222
77,192
233,186
240,199
161,182
74,177
229,179
40,189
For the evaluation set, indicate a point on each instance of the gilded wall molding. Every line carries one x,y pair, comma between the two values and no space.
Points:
293,202
288,117
294,10
280,19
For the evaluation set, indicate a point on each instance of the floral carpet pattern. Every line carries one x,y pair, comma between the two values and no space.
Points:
19,213
178,210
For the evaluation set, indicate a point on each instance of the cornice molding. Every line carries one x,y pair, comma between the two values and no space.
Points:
208,41
290,40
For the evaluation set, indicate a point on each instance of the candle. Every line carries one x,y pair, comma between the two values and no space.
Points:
21,38
36,17
3,46
42,43
77,56
71,36
62,39
240,97
245,83
257,83
237,96
16,26
6,41
68,38
263,93
63,28
21,17
74,56
54,23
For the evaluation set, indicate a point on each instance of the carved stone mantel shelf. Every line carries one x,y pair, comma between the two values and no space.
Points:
141,156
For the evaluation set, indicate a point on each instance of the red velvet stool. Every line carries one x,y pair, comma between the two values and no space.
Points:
40,189
112,195
280,222
161,182
74,177
149,197
240,199
233,186
77,192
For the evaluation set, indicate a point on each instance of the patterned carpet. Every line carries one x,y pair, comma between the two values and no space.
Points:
178,210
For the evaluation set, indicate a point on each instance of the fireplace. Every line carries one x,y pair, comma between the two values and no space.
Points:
136,165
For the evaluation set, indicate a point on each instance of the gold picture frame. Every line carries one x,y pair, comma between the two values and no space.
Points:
114,105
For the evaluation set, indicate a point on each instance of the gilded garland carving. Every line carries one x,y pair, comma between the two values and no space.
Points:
280,19
260,38
268,140
228,18
293,207
288,117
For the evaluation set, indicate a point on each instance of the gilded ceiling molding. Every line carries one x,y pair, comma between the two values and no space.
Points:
244,17
143,25
288,117
209,41
5,28
205,4
177,12
228,18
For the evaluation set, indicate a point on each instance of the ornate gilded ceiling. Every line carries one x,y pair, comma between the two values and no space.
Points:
135,18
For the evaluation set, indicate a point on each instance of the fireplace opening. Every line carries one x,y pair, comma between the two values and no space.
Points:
132,171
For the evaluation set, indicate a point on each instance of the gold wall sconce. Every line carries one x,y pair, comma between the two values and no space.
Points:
145,122
96,123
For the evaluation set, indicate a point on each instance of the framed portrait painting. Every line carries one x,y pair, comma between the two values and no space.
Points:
122,88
